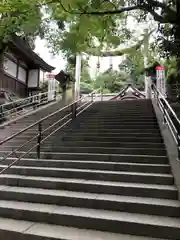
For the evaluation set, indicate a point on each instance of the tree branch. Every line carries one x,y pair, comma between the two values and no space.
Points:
118,11
119,52
157,17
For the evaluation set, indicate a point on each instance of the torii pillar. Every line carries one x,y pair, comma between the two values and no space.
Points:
77,76
147,80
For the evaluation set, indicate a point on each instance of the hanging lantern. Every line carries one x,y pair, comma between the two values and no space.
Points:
98,63
110,63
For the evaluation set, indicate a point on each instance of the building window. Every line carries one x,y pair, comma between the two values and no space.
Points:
10,67
22,74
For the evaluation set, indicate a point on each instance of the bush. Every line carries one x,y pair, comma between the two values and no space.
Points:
172,79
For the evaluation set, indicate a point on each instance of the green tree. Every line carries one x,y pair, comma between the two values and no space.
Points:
111,80
21,17
96,25
133,65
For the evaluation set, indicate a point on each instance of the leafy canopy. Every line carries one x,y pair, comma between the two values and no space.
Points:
84,25
76,32
21,17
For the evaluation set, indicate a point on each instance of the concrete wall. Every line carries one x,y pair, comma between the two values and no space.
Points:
170,146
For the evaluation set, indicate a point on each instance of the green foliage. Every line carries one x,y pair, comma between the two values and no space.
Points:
83,32
44,86
113,81
133,65
170,66
86,84
21,17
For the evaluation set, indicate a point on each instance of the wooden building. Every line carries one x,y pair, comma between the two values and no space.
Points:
20,70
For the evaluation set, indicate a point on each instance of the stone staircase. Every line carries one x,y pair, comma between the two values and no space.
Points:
105,176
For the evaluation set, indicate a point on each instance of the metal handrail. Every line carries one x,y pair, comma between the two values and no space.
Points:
169,117
32,101
24,99
38,123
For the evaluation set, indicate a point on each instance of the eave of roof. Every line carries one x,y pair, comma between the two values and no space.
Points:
25,49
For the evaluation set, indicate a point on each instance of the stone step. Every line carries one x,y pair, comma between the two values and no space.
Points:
118,124
151,206
103,127
97,150
90,136
97,131
115,112
119,115
92,186
57,142
101,150
111,166
137,138
112,117
94,157
94,174
117,120
108,144
28,230
117,222
113,134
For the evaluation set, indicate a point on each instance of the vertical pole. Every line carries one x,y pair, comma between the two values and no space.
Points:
157,96
1,114
178,140
78,75
178,147
55,95
98,67
39,99
101,94
146,43
39,140
164,114
92,97
73,110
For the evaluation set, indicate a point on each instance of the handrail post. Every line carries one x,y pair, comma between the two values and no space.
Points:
1,113
39,99
178,145
39,140
164,114
55,95
92,97
101,95
157,98
73,110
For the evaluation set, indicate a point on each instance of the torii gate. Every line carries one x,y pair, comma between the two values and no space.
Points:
145,42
